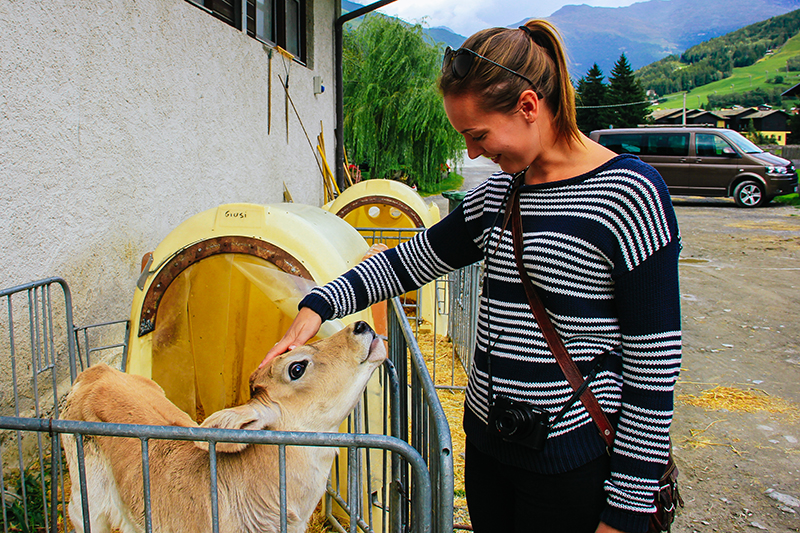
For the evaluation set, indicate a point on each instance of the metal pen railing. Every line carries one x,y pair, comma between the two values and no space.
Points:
420,519
403,462
428,426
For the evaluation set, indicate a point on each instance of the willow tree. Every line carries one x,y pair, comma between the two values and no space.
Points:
393,115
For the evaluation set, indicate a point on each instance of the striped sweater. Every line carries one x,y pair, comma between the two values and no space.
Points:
602,249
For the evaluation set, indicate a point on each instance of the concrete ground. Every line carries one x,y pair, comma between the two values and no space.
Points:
474,171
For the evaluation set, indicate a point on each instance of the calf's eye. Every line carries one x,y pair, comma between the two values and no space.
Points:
297,369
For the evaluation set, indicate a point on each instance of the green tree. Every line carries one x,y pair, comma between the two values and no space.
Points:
794,125
591,94
627,94
393,114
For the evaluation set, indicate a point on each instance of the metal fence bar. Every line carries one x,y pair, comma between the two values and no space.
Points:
84,355
3,484
81,456
32,286
148,512
352,486
421,519
465,289
438,445
282,485
213,486
398,355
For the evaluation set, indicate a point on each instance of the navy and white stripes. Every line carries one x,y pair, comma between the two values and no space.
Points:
602,249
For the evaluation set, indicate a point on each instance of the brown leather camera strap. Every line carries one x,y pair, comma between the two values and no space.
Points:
554,342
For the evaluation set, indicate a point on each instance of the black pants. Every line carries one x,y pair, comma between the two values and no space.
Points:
507,499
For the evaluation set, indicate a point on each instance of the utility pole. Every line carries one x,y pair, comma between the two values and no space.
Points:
684,109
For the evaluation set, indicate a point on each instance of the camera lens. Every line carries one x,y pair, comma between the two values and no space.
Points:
509,422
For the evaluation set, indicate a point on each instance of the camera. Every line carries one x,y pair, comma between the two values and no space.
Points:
519,422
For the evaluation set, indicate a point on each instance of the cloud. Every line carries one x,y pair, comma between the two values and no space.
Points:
465,17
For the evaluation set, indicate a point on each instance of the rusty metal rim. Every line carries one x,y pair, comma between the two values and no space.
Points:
385,200
229,244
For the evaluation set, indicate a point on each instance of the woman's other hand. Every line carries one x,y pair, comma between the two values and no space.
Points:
375,249
306,324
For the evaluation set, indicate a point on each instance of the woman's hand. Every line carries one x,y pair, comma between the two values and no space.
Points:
306,324
375,249
605,528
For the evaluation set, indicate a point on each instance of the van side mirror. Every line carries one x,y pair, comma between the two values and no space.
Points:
729,152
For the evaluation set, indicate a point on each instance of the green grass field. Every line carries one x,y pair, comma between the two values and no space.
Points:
744,79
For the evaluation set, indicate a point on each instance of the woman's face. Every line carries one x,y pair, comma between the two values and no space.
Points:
508,139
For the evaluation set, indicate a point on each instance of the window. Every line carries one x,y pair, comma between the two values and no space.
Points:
280,22
225,10
647,143
710,145
668,144
626,143
742,143
265,20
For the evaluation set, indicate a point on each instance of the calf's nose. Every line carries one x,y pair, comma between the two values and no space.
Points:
361,327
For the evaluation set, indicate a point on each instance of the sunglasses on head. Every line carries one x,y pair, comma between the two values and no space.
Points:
460,62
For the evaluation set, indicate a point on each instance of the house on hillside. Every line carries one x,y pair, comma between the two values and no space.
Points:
694,117
792,91
119,123
737,118
768,122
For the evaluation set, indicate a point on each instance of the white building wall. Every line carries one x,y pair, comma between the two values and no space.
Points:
119,119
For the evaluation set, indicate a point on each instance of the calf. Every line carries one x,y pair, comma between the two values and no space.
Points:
311,388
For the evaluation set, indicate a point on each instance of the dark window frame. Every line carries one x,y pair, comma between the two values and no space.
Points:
230,12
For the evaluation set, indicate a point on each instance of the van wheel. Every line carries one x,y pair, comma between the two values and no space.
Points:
749,194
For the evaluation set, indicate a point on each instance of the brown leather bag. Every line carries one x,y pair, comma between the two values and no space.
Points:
668,497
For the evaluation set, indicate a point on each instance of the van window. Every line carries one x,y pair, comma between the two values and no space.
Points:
708,145
744,144
623,143
660,143
668,144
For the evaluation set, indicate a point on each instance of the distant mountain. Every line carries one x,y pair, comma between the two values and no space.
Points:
716,59
645,31
443,35
649,31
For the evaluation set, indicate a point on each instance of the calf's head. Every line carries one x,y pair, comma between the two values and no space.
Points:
311,388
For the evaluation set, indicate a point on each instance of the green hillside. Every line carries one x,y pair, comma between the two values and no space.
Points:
744,79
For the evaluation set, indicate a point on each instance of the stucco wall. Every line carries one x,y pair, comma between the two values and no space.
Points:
121,118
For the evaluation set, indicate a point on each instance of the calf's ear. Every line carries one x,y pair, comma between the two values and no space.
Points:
247,416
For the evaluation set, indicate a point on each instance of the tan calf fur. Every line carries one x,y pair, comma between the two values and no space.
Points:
311,388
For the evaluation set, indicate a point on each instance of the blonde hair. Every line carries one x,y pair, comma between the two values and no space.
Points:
536,53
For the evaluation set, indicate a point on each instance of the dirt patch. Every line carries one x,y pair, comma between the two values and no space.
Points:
736,427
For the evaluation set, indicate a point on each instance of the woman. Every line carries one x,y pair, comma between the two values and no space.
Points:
600,243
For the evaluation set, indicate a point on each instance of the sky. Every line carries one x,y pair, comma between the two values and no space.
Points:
465,17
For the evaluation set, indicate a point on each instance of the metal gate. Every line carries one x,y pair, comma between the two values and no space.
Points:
397,478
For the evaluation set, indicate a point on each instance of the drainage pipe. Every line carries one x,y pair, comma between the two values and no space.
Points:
337,51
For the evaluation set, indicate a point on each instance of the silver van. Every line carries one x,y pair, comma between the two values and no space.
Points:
698,161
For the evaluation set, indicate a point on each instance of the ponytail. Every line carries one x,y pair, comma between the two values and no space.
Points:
534,51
